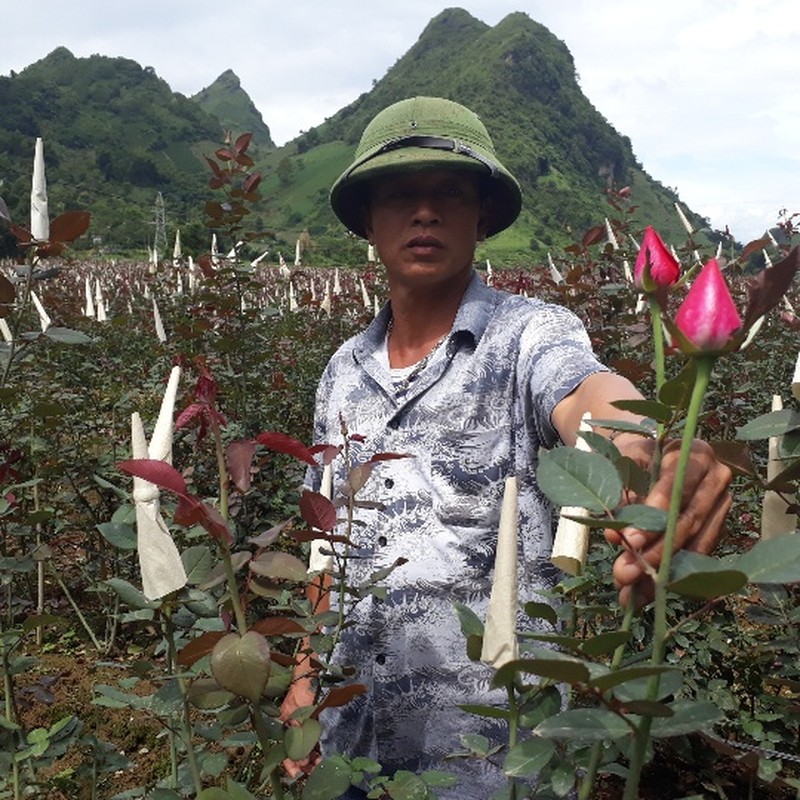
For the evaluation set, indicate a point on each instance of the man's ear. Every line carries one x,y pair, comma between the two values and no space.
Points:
365,216
483,218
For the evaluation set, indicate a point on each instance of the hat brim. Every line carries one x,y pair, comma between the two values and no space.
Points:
349,196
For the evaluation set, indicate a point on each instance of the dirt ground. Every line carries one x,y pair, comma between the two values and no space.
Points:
62,684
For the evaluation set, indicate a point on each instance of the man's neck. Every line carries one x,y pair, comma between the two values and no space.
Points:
420,319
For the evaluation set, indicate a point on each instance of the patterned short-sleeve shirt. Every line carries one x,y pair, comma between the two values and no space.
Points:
479,411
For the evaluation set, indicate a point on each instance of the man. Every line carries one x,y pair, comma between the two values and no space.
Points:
470,382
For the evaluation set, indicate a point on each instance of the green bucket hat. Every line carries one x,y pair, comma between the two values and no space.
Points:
423,133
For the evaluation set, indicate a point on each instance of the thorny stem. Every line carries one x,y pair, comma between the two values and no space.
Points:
705,365
597,750
233,587
186,723
264,739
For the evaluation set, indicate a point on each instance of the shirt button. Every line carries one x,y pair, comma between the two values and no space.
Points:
382,541
388,483
380,659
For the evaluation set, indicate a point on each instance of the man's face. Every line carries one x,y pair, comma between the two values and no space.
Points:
425,225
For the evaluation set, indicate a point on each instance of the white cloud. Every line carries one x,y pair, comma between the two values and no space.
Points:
705,90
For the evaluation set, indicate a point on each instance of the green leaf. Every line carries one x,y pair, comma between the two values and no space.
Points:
129,594
329,780
541,611
120,535
700,576
528,757
774,423
677,392
605,643
707,585
67,336
197,562
688,716
300,740
558,669
774,560
645,518
646,408
583,725
669,683
572,477
616,678
471,624
278,565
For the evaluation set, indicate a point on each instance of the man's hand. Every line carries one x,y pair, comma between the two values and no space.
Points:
704,504
300,695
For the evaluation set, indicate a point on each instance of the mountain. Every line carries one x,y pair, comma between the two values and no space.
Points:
231,105
116,135
521,80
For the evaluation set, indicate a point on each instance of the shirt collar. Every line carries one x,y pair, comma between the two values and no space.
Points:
476,309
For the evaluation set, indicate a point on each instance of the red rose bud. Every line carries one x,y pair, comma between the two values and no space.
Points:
656,267
708,318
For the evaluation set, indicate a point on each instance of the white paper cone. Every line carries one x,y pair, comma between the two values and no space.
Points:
44,319
796,379
40,220
160,332
5,331
500,632
571,543
319,561
774,519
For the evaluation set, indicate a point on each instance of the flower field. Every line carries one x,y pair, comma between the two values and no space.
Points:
155,665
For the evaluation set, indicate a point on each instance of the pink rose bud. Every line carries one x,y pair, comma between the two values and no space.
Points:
708,317
656,267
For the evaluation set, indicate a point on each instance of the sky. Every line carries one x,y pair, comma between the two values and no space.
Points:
706,90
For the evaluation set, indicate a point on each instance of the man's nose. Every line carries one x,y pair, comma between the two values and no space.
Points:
426,208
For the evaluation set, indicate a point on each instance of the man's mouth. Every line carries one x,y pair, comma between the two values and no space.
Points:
424,243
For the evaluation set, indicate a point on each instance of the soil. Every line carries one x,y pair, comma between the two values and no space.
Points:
62,684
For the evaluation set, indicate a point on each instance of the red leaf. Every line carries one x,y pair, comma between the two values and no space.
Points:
189,414
339,696
239,456
191,511
769,286
329,452
7,294
223,154
282,443
593,235
199,647
206,266
251,182
23,235
277,626
359,475
312,536
67,227
158,472
317,511
389,456
243,142
213,165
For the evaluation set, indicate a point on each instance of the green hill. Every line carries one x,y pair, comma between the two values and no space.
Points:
115,135
231,105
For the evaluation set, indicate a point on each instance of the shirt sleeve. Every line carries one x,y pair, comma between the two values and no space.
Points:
556,356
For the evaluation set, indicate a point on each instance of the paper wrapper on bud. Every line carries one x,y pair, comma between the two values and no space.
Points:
319,561
500,632
774,519
571,544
